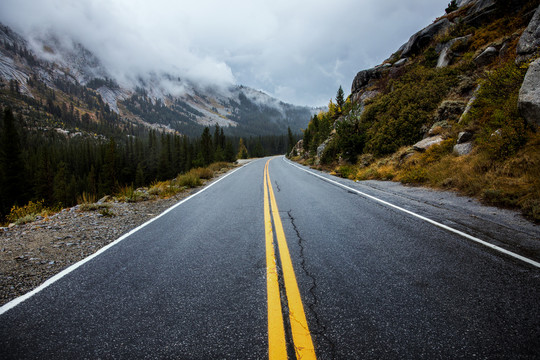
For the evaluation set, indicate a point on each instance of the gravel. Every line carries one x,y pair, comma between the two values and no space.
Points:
34,252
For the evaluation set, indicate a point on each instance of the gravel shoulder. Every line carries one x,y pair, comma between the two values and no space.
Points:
33,252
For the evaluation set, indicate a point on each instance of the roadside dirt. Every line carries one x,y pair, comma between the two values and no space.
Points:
33,252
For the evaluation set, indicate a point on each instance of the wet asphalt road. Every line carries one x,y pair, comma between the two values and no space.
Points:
375,282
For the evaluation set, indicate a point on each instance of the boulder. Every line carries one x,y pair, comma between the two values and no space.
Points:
470,103
322,147
486,57
363,78
480,12
423,145
464,137
298,149
424,36
400,62
445,53
463,149
529,42
529,95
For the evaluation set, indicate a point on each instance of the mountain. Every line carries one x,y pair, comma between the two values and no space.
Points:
456,107
37,65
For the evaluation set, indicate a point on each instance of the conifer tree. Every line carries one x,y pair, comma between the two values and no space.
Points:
12,176
290,139
242,150
340,99
229,152
206,147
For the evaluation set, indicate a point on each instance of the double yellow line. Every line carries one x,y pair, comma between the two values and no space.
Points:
301,337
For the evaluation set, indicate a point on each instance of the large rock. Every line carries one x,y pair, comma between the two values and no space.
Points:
423,37
445,52
480,12
486,56
364,77
529,94
423,145
463,149
470,103
464,137
529,42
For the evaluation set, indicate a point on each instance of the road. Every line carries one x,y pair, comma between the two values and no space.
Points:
303,267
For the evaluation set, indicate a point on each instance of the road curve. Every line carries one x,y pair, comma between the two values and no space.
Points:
374,282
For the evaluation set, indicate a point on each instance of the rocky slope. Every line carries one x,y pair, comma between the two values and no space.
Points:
156,100
456,106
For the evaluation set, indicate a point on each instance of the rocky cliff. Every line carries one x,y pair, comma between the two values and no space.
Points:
456,106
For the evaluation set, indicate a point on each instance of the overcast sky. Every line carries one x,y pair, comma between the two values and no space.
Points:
299,51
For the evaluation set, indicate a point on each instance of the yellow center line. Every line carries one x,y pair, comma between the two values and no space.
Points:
303,343
277,349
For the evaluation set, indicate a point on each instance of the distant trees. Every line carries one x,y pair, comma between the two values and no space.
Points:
12,171
57,168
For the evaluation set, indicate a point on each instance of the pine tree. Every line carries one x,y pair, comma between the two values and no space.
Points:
108,175
291,142
61,184
340,99
206,147
139,175
242,150
229,152
12,173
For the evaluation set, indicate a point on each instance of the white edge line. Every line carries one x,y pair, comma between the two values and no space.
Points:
448,228
73,267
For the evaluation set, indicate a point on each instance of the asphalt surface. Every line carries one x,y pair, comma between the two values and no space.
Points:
376,283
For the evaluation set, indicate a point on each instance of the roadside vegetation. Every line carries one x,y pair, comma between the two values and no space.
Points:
36,210
373,139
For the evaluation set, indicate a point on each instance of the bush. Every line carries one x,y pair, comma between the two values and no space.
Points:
495,111
29,212
189,180
202,173
395,119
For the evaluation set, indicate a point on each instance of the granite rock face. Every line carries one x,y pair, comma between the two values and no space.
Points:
363,78
529,95
423,37
529,42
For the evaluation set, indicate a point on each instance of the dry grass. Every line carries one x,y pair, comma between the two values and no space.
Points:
512,183
29,212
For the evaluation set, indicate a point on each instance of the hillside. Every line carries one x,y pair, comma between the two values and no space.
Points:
456,107
36,67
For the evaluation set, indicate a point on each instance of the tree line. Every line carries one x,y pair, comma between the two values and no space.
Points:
57,167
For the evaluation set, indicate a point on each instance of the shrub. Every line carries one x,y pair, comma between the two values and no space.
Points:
202,173
495,111
189,180
395,119
27,212
346,171
86,198
215,167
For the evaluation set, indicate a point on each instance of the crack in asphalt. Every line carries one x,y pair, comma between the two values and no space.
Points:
321,331
277,186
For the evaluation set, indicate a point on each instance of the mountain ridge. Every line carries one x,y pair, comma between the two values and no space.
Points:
48,57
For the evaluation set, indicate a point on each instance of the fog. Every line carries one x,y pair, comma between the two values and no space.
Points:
298,51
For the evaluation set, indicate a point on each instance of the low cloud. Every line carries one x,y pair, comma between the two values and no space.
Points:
300,51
